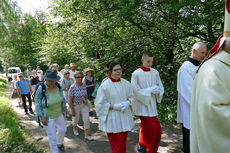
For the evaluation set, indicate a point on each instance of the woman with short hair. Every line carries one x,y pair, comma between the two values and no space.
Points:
113,108
78,100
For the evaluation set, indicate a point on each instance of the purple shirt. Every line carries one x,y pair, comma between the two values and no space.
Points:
78,93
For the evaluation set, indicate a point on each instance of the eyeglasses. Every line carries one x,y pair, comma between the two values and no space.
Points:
79,77
115,70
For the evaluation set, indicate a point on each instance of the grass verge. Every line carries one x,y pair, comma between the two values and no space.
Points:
13,137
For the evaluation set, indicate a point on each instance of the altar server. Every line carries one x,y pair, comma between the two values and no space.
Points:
113,108
148,90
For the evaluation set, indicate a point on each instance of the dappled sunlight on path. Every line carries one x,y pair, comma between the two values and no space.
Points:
170,143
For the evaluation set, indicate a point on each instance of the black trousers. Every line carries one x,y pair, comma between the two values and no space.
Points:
24,102
186,140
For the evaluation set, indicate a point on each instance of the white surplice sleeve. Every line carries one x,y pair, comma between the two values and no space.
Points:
160,85
101,104
142,95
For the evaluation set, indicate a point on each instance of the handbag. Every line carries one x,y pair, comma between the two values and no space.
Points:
14,94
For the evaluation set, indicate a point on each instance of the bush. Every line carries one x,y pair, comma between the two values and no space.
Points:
2,86
167,113
13,138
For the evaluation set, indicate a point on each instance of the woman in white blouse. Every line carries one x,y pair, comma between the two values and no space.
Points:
112,105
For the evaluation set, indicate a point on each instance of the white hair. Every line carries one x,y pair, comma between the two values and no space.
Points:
198,45
66,65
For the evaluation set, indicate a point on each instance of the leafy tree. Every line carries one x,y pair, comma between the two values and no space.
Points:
20,36
123,29
92,33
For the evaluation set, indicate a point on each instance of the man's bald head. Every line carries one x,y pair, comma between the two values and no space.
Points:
199,50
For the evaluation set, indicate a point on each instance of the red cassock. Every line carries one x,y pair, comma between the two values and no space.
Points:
150,134
118,141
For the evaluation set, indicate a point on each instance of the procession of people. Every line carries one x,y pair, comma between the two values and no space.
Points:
203,87
58,95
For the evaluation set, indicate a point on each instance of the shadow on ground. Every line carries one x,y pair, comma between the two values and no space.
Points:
170,142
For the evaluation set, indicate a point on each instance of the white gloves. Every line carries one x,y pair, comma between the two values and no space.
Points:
117,107
125,105
155,89
121,106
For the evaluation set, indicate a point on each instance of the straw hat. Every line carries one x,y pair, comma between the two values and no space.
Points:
87,69
72,65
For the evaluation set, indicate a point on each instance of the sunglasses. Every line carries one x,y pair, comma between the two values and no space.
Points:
79,77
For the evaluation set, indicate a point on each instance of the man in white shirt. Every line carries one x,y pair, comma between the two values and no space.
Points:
39,72
185,77
148,90
72,70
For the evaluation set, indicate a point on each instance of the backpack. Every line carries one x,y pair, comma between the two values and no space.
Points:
43,96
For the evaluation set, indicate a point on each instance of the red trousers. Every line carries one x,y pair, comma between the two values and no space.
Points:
118,141
150,134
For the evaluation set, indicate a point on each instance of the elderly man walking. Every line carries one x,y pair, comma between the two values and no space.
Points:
185,78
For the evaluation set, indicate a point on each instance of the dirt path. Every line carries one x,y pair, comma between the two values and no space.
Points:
170,142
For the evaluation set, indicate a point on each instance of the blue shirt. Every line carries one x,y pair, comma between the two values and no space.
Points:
24,87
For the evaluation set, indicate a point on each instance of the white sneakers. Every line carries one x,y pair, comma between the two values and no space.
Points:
89,138
75,132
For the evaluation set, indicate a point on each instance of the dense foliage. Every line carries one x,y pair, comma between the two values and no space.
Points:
92,33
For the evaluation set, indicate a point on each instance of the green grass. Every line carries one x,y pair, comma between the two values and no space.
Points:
13,137
2,86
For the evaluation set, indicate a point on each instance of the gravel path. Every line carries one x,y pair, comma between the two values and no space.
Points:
170,142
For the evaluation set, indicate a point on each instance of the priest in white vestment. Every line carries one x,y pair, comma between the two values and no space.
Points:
210,109
148,90
185,77
113,110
